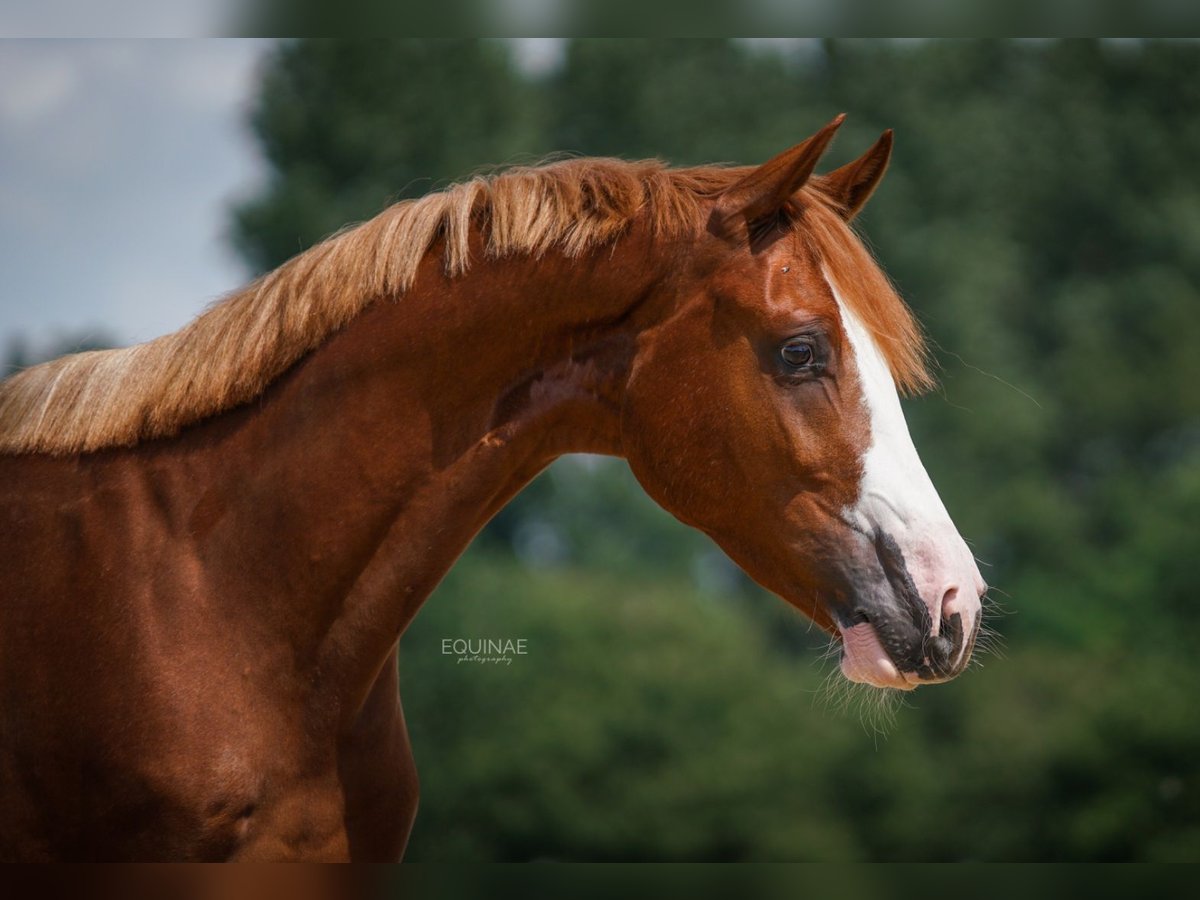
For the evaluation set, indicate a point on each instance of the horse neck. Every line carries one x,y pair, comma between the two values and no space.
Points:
365,472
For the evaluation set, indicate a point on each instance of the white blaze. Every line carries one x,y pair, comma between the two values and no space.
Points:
898,497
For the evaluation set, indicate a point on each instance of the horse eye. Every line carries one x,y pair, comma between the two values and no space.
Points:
797,354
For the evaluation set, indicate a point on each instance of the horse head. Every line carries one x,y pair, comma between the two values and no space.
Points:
764,409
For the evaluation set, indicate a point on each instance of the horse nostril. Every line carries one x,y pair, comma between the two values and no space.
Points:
941,647
948,598
941,651
859,617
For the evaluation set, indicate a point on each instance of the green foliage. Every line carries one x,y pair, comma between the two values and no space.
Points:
1042,215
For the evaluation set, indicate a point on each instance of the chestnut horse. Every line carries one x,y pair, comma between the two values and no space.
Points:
212,542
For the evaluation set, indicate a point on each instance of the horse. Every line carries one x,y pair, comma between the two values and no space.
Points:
213,542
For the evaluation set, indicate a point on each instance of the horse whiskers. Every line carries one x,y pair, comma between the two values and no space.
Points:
991,644
992,589
993,607
833,649
875,707
988,640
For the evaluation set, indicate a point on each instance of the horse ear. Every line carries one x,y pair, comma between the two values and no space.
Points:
851,186
764,191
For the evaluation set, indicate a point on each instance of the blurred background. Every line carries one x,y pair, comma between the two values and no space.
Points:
1042,215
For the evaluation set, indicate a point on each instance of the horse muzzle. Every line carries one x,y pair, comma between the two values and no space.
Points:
894,637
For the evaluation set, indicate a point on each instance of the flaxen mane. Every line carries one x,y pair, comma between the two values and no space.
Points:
231,352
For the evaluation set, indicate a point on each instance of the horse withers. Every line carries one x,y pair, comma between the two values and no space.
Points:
212,542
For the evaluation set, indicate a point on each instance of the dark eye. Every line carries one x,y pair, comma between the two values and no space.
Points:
799,354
